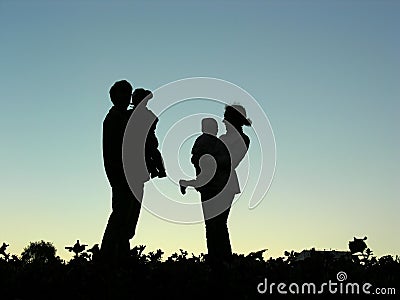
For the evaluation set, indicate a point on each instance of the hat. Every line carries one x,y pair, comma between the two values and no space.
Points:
236,115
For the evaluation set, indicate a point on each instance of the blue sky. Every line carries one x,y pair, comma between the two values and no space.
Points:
326,74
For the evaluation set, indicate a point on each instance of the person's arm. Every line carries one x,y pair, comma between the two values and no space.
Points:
241,147
196,153
208,167
152,150
236,147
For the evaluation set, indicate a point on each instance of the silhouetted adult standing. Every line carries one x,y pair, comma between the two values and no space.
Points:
222,155
211,159
237,143
125,206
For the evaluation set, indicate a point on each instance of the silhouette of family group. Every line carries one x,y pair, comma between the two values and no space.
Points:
215,160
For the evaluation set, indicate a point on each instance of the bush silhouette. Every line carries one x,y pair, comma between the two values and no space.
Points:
39,252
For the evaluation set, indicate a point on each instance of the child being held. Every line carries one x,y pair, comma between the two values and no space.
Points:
211,159
154,161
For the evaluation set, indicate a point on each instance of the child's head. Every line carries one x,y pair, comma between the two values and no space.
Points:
209,125
140,95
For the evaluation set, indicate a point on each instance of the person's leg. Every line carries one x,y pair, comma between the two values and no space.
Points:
121,224
109,242
217,233
129,218
212,239
224,247
135,200
159,163
150,164
211,227
114,231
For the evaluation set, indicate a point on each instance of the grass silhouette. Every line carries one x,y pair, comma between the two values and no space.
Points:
39,274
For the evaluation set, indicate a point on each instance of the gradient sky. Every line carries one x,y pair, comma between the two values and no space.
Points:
326,74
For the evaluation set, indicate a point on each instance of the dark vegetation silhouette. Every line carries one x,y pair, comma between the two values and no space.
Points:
39,252
38,273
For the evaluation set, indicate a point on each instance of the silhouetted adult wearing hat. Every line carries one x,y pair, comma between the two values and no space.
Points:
237,143
219,184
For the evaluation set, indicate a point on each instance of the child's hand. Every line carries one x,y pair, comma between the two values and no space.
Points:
162,174
183,185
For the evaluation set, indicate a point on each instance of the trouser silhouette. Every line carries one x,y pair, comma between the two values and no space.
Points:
122,222
217,234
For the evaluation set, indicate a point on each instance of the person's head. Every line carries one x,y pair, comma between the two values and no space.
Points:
209,125
121,93
235,115
141,95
